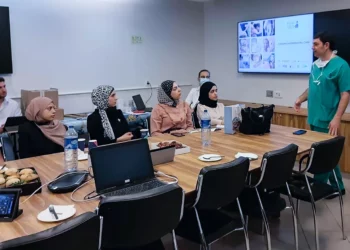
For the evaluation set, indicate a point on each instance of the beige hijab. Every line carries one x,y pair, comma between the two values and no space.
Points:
53,130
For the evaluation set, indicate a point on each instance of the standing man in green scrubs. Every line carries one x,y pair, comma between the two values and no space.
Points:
328,95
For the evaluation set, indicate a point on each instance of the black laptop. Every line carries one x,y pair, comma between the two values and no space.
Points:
123,168
140,105
12,123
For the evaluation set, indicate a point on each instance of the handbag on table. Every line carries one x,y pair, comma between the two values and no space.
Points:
256,121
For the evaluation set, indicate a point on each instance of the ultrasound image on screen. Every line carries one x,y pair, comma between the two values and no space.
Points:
6,204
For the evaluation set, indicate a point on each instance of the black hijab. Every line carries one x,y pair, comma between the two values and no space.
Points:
204,95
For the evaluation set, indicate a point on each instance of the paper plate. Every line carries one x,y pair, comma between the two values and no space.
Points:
63,213
251,156
210,157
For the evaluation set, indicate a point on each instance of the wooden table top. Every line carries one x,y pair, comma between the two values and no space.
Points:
185,167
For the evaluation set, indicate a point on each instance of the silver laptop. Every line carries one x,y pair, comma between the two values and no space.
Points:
163,155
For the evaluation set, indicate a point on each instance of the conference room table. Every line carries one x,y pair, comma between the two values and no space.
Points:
185,167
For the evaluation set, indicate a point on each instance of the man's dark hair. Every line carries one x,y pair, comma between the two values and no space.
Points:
325,37
203,70
257,25
2,79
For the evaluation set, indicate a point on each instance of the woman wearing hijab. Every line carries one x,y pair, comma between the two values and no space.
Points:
171,115
43,134
107,124
208,100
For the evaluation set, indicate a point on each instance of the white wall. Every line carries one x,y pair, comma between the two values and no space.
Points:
221,19
76,45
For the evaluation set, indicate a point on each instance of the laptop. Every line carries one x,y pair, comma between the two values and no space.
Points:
123,168
140,105
163,155
12,123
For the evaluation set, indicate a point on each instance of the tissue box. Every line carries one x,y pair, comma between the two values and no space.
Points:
232,116
28,95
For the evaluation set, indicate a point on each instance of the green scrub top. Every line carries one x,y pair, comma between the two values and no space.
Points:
325,88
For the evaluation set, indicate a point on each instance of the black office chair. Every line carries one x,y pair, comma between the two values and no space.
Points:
276,169
195,119
137,220
8,151
217,186
82,232
323,158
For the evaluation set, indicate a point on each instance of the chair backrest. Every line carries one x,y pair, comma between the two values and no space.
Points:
7,148
219,185
139,219
195,119
277,167
82,232
325,155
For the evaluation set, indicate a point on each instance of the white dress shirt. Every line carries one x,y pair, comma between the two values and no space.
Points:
193,96
9,108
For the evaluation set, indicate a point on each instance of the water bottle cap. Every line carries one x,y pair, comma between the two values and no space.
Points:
205,111
70,126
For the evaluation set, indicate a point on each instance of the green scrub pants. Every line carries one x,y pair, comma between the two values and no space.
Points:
329,176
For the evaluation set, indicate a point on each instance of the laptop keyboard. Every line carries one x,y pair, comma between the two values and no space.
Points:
142,187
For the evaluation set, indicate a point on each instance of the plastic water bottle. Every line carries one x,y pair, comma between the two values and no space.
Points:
71,149
206,129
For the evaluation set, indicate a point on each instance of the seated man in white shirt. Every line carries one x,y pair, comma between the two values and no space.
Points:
192,98
8,107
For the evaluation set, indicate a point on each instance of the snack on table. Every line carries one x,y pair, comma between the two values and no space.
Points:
13,177
26,171
172,143
2,181
11,171
29,177
13,181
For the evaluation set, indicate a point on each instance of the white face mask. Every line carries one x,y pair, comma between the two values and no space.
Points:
321,64
203,80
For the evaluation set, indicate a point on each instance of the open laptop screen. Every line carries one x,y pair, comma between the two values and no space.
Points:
119,164
140,105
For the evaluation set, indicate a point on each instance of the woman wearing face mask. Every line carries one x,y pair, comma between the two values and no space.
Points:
43,134
107,124
171,115
208,100
192,98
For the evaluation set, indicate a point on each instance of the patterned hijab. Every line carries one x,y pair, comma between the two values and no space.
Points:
164,94
99,98
204,95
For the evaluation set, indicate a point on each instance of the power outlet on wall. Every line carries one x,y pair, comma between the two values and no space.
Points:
269,93
278,94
